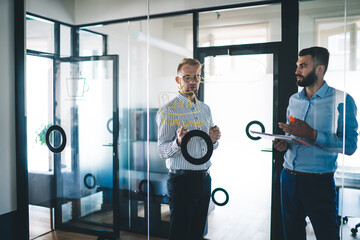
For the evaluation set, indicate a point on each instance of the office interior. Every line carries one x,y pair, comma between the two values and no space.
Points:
96,72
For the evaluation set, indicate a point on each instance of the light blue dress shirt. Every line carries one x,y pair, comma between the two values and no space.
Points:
324,112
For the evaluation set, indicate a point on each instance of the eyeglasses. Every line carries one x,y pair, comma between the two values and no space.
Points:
187,78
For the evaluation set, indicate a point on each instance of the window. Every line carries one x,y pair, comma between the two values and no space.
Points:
240,26
39,34
65,41
90,43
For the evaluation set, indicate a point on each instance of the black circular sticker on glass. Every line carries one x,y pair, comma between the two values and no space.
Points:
207,139
63,136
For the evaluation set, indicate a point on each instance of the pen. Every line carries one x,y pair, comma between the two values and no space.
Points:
211,129
291,119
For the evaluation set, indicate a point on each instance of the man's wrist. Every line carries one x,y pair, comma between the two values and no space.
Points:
313,135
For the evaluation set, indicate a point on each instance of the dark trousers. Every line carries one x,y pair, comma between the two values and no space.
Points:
189,197
313,196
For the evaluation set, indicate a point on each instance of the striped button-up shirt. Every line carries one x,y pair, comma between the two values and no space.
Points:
180,111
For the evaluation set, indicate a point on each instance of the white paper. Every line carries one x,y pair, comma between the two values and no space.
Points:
282,137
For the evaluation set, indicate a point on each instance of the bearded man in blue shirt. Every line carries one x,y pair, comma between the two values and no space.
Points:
317,117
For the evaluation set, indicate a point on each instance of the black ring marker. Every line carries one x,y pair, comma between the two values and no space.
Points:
89,175
226,194
142,183
63,135
108,125
207,139
248,128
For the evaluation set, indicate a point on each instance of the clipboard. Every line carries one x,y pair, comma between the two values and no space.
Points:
281,137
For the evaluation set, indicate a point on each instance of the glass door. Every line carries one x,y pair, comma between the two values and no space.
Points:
86,171
239,89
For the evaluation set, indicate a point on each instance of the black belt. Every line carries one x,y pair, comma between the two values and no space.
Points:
293,172
189,172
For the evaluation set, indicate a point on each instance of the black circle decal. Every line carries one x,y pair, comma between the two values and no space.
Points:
108,125
89,175
63,135
207,139
142,186
226,194
248,128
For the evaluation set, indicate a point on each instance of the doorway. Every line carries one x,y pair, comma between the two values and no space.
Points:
40,160
78,189
239,87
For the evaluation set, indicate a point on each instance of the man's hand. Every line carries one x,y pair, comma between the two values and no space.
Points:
214,133
299,128
280,145
180,134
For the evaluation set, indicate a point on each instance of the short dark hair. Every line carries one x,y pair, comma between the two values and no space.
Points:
320,55
189,61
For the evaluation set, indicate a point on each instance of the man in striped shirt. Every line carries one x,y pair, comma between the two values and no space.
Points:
189,185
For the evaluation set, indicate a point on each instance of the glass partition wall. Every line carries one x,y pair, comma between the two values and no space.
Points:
73,134
335,25
240,49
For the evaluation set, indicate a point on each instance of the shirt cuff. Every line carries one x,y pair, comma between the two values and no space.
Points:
320,139
216,144
175,147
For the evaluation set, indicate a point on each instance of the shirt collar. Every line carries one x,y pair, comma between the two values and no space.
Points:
182,97
320,93
323,90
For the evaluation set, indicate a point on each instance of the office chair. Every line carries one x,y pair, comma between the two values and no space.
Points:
351,180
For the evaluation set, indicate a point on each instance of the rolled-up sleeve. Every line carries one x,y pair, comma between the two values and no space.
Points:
334,142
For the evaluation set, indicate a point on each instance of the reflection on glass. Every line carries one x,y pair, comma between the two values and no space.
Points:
240,26
170,41
323,24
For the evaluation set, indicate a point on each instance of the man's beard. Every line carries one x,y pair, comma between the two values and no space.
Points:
308,80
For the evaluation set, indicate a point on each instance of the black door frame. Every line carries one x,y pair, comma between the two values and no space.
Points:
252,49
286,53
57,158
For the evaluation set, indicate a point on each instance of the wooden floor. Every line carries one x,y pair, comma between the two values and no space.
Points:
218,229
40,229
60,235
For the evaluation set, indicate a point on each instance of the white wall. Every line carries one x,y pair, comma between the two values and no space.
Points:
7,110
90,11
118,9
61,10
310,11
